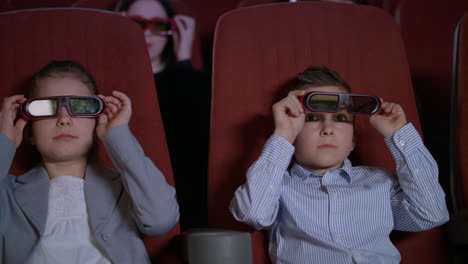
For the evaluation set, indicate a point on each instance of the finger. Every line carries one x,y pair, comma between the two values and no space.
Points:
389,108
293,110
296,94
295,104
109,114
20,124
113,108
9,101
123,98
180,24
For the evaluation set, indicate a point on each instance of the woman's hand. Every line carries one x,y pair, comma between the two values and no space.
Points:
389,120
8,113
288,115
183,38
118,112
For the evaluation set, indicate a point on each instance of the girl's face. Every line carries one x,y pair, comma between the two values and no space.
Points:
326,139
149,9
63,138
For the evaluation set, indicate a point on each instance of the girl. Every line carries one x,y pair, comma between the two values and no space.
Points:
67,209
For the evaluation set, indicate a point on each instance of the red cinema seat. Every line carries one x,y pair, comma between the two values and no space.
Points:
430,55
259,49
113,48
458,225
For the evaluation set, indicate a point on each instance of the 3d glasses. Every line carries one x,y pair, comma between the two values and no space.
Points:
160,26
49,107
332,102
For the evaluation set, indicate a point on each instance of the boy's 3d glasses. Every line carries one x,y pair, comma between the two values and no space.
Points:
332,102
49,107
160,26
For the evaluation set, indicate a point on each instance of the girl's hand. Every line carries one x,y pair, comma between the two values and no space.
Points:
183,38
288,115
389,120
118,112
8,113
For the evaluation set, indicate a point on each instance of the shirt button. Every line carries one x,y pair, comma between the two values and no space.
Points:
334,197
402,143
338,238
359,256
271,187
327,181
284,154
416,171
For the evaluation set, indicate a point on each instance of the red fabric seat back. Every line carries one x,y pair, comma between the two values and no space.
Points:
258,49
460,114
430,54
113,49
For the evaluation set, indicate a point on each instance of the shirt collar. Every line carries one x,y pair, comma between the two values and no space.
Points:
303,173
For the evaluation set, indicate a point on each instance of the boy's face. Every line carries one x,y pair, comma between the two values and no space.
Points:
326,139
63,138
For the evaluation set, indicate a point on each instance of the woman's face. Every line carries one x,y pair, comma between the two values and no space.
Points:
63,138
149,9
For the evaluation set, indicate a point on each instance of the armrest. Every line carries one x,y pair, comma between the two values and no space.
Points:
213,246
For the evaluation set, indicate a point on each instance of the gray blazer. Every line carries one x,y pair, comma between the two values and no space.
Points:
120,205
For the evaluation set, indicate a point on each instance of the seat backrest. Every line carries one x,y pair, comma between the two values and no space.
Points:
113,48
259,49
459,136
430,55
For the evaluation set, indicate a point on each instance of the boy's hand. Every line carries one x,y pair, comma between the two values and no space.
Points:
288,115
118,112
8,112
389,120
183,38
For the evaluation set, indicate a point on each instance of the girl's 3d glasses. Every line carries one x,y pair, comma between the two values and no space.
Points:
160,26
49,107
332,102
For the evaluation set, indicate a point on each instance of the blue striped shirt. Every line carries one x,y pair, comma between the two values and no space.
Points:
347,214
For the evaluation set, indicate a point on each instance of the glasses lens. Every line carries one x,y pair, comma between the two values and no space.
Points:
42,107
323,102
141,23
162,26
84,106
363,104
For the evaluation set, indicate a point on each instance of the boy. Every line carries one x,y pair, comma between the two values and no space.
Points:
324,210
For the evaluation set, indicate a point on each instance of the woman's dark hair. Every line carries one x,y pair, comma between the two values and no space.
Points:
167,55
61,69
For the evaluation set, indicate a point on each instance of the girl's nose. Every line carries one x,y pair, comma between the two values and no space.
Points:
63,118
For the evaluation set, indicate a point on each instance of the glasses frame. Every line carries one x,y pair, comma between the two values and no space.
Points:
343,98
62,101
150,24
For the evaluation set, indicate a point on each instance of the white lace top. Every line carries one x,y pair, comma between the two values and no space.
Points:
67,237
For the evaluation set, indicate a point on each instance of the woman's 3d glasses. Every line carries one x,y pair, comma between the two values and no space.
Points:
332,102
49,107
160,26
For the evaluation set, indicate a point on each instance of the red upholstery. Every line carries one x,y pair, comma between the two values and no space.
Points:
430,51
246,3
113,49
461,113
258,49
26,4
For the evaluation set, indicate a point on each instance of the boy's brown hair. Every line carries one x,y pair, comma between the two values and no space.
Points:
318,76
